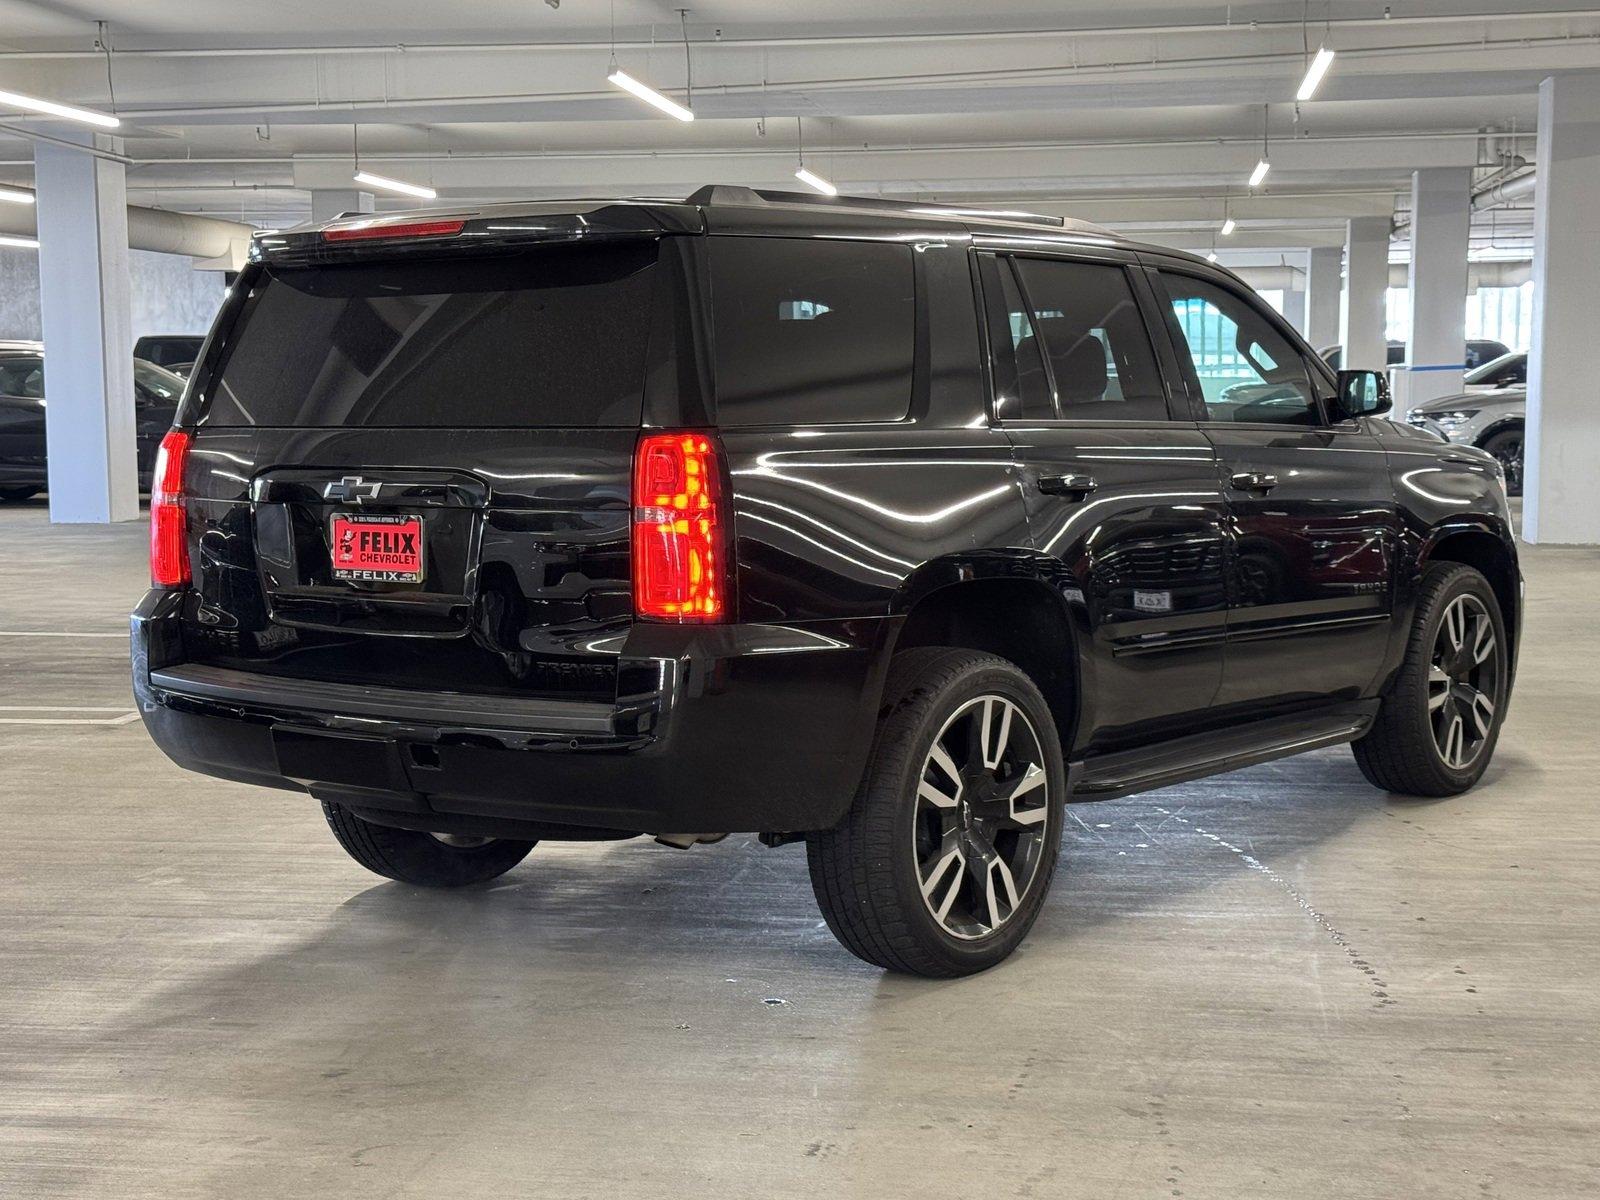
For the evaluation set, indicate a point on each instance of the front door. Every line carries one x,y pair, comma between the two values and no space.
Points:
1312,512
1123,501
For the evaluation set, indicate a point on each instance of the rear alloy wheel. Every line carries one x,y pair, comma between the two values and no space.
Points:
942,863
1438,725
982,808
424,859
1506,446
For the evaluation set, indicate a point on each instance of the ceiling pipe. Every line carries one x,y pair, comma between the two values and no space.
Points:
222,242
1492,195
1504,191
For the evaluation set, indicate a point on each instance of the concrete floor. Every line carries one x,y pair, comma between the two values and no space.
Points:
1277,983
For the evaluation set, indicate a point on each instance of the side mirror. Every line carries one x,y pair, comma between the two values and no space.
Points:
1364,393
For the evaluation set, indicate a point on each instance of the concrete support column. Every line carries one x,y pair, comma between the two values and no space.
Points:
1366,280
1436,348
1294,308
1561,453
85,312
328,203
1323,281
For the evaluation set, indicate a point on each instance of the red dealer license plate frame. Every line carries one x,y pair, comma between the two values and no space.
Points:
376,548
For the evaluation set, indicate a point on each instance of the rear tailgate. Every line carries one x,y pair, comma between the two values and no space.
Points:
418,470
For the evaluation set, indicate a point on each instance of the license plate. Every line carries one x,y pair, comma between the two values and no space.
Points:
377,549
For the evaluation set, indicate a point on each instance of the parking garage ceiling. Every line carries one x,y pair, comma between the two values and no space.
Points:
1148,115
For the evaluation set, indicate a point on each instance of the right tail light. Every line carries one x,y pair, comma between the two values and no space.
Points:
680,528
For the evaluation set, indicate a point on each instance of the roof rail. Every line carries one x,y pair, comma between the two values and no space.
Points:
721,193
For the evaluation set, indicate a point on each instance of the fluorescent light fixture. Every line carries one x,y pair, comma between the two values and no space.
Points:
24,243
1212,257
812,179
649,95
1228,226
16,195
52,109
1314,73
396,185
1259,173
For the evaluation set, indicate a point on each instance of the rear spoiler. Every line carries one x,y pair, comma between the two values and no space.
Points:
435,232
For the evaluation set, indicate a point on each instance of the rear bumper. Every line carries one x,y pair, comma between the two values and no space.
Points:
736,728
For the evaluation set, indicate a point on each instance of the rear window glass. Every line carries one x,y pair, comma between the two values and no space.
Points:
813,331
555,336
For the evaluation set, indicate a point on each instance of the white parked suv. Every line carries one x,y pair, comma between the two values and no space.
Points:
1488,414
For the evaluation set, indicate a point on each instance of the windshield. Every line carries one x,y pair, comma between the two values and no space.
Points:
1515,365
553,337
157,382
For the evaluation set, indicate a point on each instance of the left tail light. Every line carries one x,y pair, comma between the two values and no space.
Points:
169,533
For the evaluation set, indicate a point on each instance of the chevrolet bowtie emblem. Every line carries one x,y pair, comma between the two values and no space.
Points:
352,489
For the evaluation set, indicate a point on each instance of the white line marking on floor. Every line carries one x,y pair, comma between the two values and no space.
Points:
126,717
116,708
52,633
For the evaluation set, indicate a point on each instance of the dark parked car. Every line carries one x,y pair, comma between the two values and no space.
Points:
886,530
23,471
170,350
1478,352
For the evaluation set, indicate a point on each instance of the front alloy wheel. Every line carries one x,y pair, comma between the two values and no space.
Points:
1463,681
1437,727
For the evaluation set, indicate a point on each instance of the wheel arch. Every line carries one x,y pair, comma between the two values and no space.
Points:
1491,552
1003,605
1500,426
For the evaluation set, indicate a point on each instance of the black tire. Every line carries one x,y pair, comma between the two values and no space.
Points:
866,872
422,858
1401,752
13,494
1507,447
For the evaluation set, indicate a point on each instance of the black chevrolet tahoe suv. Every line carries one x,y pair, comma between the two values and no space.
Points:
885,528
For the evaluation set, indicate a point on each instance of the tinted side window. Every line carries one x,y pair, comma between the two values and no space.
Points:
1021,390
1245,369
23,377
810,331
1094,336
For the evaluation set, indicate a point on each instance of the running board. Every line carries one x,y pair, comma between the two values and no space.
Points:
1203,754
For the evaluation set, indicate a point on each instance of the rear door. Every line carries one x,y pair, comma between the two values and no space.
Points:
418,469
1123,499
1312,510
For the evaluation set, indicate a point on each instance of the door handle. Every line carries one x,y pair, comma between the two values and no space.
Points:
1067,485
1254,481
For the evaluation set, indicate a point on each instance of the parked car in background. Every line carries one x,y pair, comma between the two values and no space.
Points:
170,350
1489,414
1507,371
1478,352
834,521
23,470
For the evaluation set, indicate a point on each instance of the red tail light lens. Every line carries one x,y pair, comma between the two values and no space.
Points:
169,533
679,528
